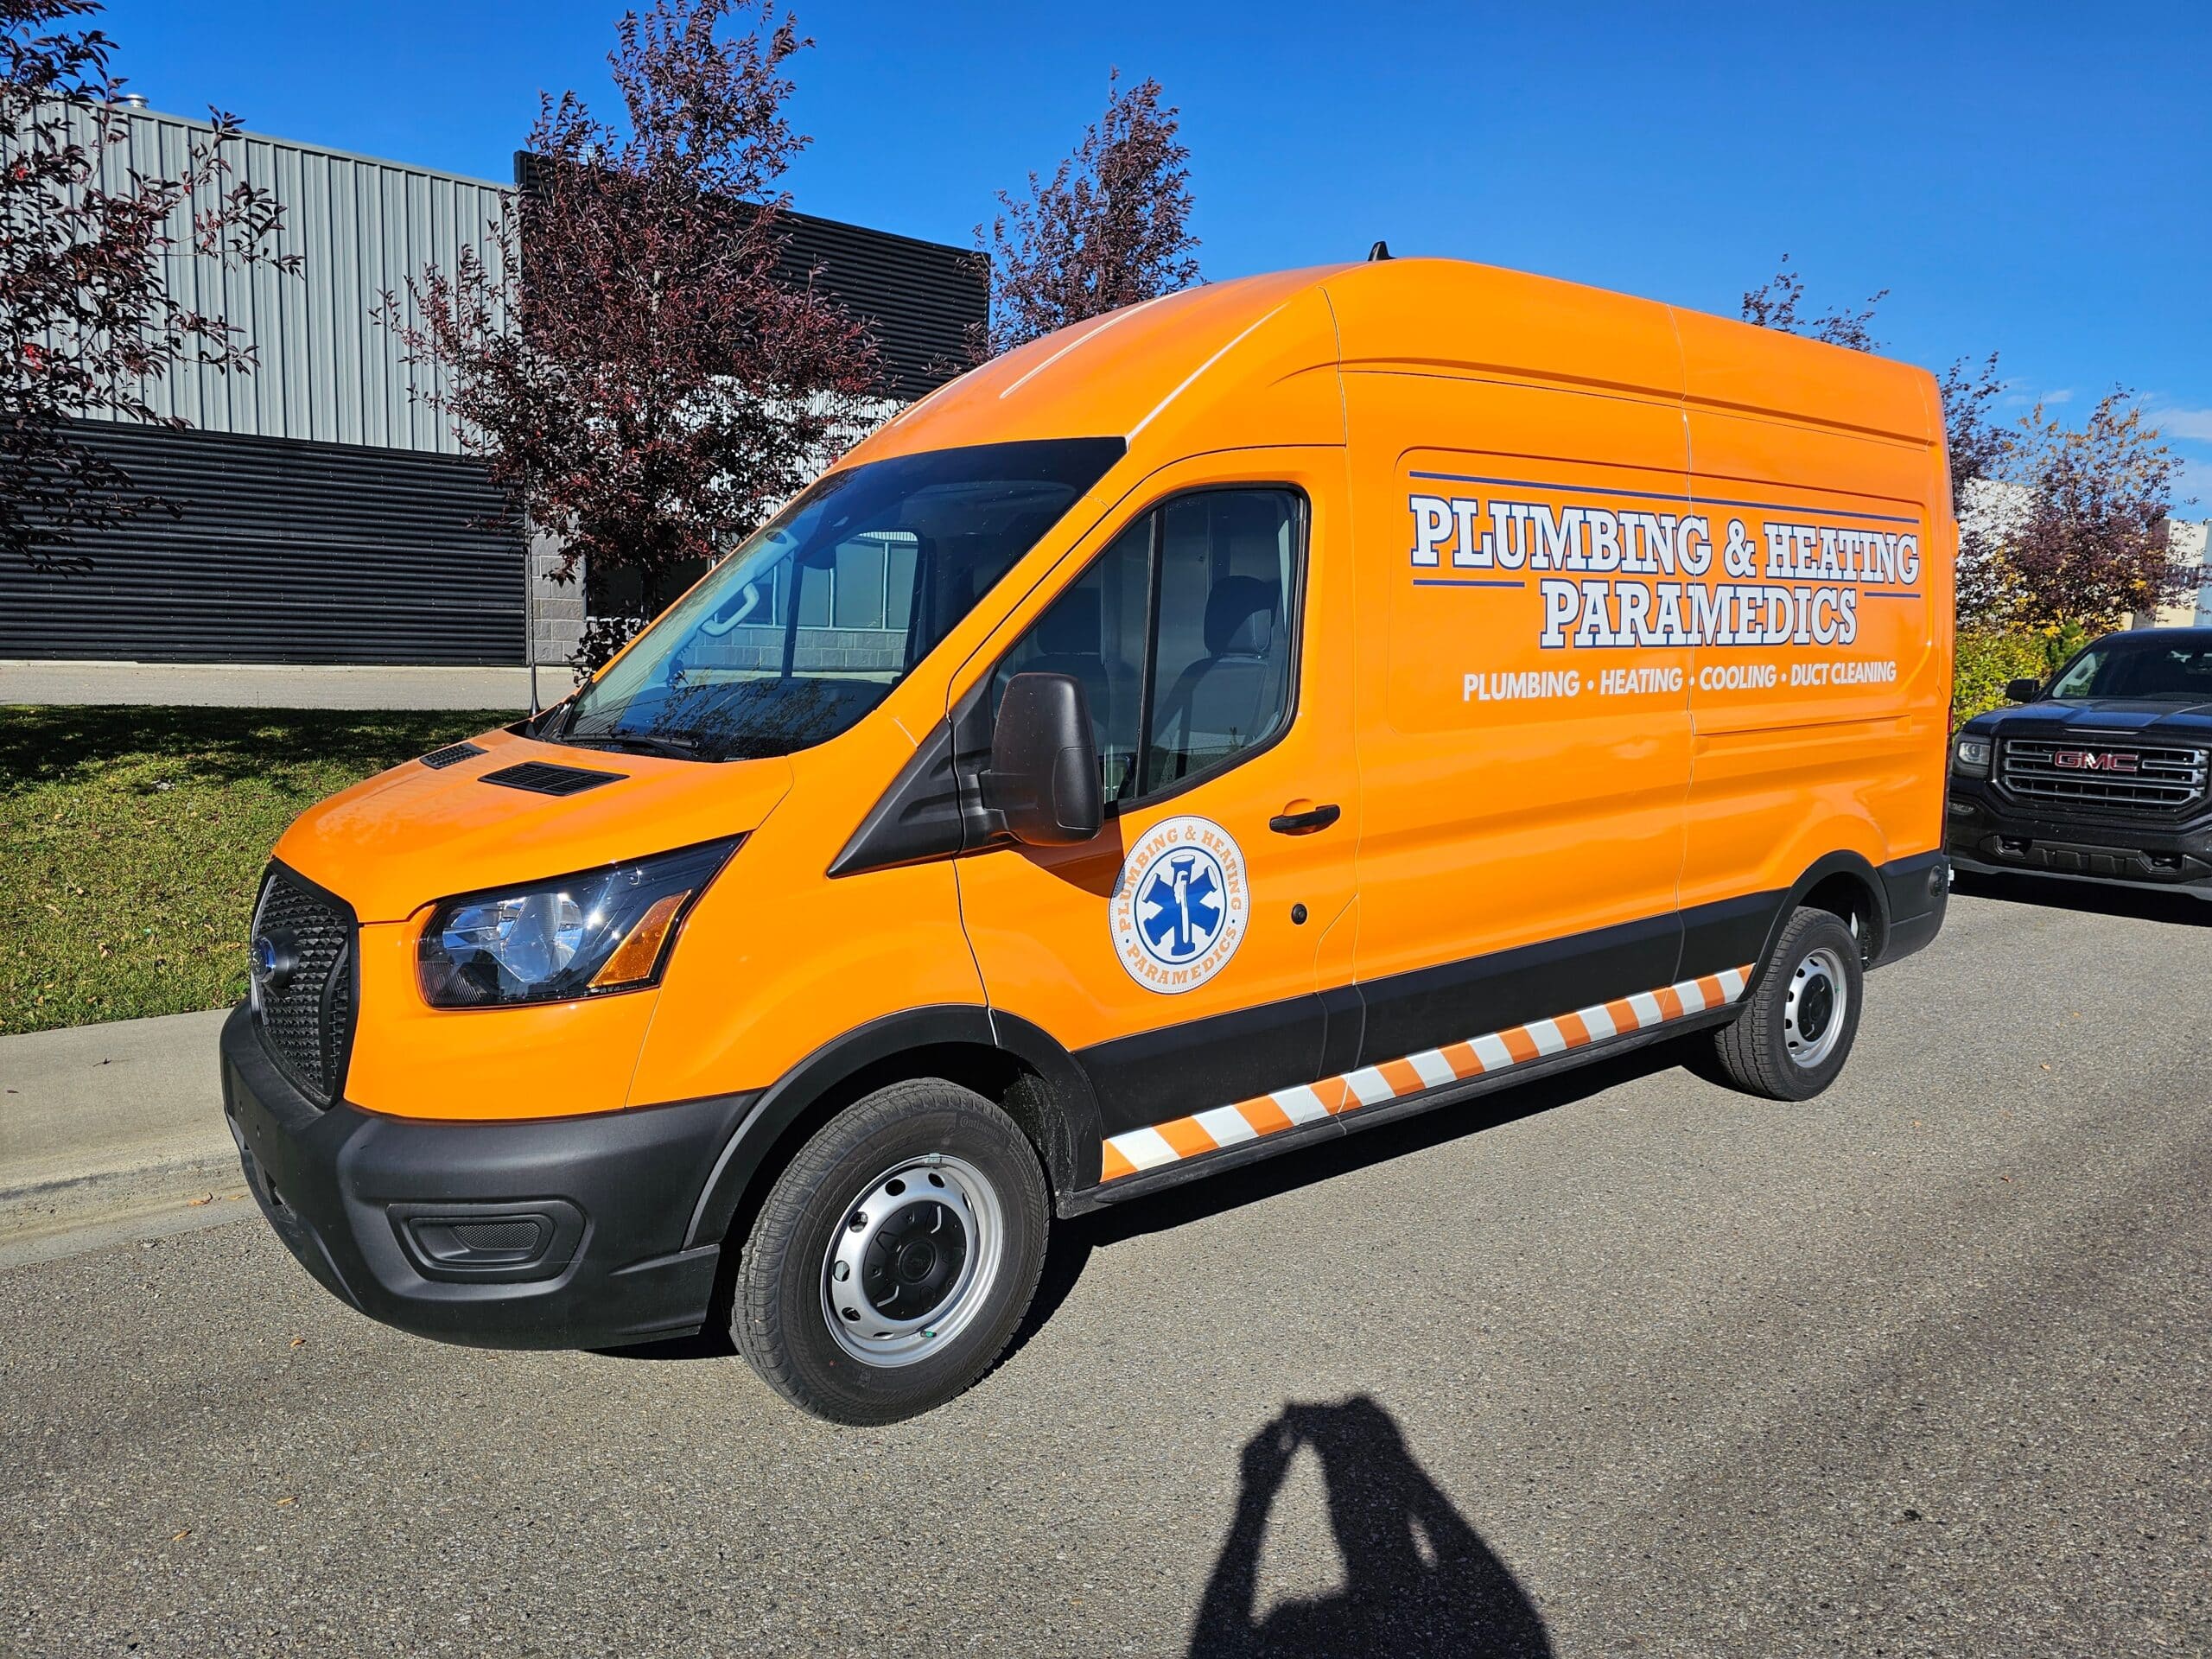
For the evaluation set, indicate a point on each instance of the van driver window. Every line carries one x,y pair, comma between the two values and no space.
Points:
1219,570
1095,632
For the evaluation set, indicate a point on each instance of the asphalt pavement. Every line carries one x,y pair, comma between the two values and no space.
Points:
1624,1363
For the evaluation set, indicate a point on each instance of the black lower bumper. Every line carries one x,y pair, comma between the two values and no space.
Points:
1915,892
1985,833
536,1233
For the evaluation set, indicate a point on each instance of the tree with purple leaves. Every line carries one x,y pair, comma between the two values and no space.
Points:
2063,530
1109,228
642,385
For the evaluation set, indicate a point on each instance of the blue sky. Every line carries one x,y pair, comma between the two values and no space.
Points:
2030,178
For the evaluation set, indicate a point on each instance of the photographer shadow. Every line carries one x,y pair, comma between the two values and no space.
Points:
1418,1579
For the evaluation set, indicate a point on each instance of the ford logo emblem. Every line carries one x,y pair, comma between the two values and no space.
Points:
275,961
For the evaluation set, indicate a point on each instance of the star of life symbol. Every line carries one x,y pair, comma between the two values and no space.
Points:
1180,909
1177,911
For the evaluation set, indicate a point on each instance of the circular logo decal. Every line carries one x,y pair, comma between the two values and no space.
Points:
1180,904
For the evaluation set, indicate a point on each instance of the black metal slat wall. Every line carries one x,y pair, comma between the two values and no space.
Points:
284,551
918,299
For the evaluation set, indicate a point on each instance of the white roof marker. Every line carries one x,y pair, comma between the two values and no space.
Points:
1132,435
1088,335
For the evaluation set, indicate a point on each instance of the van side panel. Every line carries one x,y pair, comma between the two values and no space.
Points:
1819,700
1522,797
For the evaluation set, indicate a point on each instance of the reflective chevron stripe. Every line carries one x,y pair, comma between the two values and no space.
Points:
1136,1150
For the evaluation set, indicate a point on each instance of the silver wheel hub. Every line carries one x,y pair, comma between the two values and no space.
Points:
1814,1017
913,1261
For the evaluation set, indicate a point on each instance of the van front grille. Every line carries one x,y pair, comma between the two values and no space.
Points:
305,1006
2105,771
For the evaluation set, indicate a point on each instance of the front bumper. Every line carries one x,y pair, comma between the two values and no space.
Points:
373,1207
1986,832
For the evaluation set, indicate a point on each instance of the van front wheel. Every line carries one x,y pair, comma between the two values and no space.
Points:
894,1257
1797,1026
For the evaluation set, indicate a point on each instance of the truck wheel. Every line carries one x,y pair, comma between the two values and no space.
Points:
1797,1028
894,1257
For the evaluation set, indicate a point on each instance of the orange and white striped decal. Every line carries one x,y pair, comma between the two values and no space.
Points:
1134,1151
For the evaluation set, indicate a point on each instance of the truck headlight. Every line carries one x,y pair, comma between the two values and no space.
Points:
1971,755
596,932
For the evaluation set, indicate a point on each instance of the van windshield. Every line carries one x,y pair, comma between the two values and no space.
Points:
808,625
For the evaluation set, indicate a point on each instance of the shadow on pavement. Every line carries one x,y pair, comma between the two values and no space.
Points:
1074,1240
1418,1579
2179,909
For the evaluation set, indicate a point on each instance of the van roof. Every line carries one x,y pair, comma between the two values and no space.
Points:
1204,359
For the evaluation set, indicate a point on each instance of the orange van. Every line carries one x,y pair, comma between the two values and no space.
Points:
1251,716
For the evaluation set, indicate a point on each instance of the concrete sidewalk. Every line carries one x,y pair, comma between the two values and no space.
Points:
265,685
111,1132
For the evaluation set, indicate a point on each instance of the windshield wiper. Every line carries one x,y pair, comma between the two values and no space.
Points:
676,748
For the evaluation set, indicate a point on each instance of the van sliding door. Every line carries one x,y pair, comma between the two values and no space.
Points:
1524,723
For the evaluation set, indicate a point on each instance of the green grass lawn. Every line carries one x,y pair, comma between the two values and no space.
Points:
132,841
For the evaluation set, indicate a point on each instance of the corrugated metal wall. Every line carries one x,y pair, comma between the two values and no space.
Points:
328,515
282,552
327,371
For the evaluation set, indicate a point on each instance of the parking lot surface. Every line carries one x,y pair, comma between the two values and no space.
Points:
1624,1363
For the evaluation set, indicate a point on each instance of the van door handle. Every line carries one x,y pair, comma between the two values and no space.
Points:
1305,823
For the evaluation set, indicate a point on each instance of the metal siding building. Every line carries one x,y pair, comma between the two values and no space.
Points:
326,512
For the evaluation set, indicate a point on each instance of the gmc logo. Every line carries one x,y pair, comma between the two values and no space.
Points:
2089,760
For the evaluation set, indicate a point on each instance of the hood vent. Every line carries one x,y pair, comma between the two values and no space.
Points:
452,755
541,778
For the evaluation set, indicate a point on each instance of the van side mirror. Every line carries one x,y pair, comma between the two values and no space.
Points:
1043,780
2023,690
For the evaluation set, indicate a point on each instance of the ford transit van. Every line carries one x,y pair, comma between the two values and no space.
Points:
1227,723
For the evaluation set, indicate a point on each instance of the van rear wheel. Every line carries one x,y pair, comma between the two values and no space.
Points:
1798,1024
894,1257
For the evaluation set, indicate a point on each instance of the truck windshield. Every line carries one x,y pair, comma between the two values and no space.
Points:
2169,668
807,626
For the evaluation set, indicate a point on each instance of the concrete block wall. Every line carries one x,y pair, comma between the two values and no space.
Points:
556,621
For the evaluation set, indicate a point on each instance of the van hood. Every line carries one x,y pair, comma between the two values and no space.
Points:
398,840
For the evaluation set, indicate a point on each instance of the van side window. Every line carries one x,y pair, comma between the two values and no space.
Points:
1095,631
1217,572
1221,667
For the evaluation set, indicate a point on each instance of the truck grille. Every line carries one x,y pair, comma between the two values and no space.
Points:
305,1009
2103,770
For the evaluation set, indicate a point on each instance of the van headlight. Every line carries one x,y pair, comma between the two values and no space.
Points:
588,934
1971,756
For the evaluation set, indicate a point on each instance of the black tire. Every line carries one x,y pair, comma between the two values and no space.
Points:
849,1188
1786,1050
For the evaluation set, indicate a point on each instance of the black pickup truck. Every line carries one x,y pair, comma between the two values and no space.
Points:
2098,775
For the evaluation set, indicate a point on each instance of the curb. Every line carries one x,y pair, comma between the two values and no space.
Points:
108,1129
